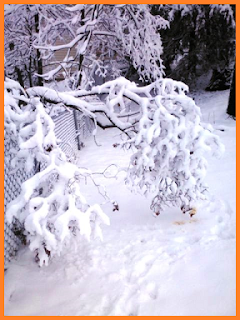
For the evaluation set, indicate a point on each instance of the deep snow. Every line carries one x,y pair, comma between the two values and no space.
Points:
166,265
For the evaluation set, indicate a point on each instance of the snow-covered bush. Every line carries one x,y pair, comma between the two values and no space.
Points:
51,205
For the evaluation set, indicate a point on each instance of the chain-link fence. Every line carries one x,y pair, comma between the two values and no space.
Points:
71,128
65,130
12,187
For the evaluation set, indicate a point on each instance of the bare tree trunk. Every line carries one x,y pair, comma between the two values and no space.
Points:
79,70
231,110
81,56
29,72
39,60
19,76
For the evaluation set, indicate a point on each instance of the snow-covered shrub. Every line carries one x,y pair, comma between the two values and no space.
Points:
50,205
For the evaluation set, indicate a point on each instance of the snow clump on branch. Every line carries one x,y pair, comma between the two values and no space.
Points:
168,139
51,205
170,148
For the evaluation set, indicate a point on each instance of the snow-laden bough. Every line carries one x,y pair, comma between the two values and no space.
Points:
162,126
51,205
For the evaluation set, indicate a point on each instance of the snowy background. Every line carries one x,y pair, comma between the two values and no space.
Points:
166,265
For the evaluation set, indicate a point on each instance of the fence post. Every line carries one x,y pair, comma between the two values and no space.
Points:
76,128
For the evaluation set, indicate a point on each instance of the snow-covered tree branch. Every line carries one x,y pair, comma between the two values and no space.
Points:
22,60
98,33
51,204
163,127
161,123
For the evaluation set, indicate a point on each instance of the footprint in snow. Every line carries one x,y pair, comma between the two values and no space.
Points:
152,290
143,266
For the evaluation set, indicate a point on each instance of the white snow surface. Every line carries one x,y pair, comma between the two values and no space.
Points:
157,266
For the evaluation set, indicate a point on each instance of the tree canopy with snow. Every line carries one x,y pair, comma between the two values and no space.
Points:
101,38
160,122
22,59
166,136
91,39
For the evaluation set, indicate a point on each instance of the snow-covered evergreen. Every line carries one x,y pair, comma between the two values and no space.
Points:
200,40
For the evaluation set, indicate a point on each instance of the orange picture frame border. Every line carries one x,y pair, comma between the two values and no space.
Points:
2,132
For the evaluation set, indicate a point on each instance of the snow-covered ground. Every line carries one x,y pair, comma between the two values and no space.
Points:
166,265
